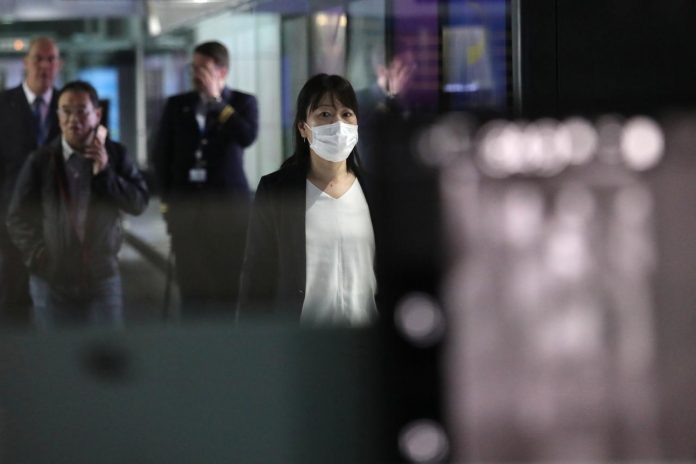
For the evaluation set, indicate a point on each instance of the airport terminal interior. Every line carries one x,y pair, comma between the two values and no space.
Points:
531,181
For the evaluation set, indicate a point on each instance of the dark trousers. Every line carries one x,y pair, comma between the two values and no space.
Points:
208,242
15,303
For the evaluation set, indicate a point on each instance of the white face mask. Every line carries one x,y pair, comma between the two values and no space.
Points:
334,142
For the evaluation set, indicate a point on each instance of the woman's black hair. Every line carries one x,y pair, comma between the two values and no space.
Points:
308,100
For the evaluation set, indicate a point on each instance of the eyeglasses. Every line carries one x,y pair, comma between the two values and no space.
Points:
80,113
48,59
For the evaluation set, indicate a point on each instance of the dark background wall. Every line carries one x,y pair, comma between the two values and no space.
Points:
596,56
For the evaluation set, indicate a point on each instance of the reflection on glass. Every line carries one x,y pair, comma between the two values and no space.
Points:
468,71
366,31
329,41
475,48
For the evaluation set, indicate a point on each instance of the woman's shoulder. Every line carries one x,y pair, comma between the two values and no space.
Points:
287,177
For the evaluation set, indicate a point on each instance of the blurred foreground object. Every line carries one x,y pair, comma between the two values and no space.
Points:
206,393
567,287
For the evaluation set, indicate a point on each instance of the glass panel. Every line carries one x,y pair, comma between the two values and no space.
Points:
476,51
328,46
295,65
366,29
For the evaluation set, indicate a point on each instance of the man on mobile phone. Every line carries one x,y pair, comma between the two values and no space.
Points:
65,215
198,158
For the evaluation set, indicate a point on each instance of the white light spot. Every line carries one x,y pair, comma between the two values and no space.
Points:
423,441
509,143
531,150
487,153
420,319
541,154
499,148
540,148
579,138
642,143
154,26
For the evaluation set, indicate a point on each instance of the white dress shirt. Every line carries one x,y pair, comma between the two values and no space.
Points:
340,250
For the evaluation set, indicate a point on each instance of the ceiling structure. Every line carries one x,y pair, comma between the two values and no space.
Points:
162,16
170,11
47,10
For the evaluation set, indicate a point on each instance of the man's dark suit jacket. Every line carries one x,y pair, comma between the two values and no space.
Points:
274,272
222,143
18,134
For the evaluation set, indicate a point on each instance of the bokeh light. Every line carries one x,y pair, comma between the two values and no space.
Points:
419,318
423,441
642,143
581,137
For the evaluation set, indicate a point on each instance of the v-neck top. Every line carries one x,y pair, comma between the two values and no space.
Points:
340,249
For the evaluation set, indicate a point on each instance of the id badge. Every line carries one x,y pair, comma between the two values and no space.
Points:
198,175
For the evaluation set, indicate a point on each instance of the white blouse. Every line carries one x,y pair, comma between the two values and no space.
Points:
340,250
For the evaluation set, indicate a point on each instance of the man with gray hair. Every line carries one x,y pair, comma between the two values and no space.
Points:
27,120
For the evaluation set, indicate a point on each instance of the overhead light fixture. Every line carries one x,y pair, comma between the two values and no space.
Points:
154,26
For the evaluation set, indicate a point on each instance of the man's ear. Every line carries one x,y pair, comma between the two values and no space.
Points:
223,73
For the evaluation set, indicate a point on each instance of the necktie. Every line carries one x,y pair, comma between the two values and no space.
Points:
38,115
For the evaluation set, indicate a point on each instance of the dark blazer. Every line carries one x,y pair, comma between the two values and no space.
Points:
222,143
39,220
18,132
274,272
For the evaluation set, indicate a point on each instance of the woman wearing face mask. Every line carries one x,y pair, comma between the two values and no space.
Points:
310,248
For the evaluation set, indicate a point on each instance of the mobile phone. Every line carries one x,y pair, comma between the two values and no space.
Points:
101,133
